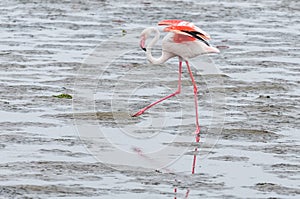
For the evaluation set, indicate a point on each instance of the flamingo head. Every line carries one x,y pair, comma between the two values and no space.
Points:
144,35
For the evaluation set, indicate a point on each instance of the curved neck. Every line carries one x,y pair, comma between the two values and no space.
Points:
164,56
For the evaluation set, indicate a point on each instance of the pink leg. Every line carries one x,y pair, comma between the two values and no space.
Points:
194,161
196,101
197,132
167,97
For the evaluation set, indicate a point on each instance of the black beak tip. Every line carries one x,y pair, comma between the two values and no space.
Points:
144,49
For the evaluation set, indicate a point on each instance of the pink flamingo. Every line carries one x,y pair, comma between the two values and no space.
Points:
185,41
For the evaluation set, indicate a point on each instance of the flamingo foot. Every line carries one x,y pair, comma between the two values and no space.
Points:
140,112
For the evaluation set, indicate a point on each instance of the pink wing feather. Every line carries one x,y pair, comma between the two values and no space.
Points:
184,28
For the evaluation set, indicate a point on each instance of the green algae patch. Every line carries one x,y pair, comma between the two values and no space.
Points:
63,96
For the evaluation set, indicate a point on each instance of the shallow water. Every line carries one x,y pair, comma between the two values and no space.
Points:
90,147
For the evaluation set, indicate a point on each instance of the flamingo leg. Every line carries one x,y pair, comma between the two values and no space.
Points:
196,101
197,132
167,97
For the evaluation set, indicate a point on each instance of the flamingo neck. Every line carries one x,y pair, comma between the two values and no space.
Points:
164,56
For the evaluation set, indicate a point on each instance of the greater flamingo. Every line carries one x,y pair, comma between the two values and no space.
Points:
185,41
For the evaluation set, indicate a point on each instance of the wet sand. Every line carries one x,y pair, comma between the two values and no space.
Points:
251,150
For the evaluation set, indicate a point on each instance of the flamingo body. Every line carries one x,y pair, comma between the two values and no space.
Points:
184,40
185,46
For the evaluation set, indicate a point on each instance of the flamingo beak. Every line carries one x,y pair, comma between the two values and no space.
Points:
142,43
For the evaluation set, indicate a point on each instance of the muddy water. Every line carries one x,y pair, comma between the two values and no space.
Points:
251,150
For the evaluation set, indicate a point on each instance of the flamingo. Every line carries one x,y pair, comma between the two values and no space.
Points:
185,41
